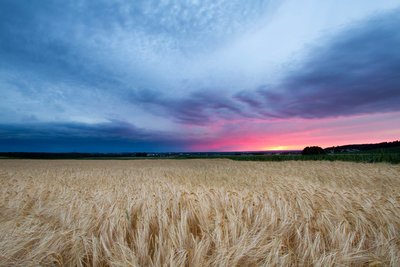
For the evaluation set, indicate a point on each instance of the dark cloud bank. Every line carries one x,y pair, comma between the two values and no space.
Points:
114,136
357,72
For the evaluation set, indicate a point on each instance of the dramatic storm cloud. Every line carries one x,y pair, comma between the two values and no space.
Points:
356,71
197,75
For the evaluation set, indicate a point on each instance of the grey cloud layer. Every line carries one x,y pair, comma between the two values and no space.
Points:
114,136
199,108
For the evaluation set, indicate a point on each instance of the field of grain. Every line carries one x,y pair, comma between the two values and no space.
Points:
198,213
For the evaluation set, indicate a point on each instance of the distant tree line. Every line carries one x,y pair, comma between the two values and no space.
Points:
313,150
363,147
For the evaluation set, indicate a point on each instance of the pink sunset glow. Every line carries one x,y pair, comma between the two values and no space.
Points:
295,134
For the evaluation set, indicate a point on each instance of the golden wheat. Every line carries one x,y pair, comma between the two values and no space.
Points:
198,213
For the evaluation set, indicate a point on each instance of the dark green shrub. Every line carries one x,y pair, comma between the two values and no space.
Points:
313,150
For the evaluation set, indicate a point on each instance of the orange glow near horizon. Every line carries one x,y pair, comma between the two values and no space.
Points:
295,134
277,148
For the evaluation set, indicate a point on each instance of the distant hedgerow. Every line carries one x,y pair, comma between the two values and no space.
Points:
313,150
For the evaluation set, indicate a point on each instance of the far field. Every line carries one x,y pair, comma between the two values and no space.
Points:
204,212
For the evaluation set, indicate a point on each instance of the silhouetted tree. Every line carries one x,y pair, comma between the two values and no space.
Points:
313,150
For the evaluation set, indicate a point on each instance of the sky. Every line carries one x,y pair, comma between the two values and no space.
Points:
199,75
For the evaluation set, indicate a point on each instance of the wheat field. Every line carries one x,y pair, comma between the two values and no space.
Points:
198,213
